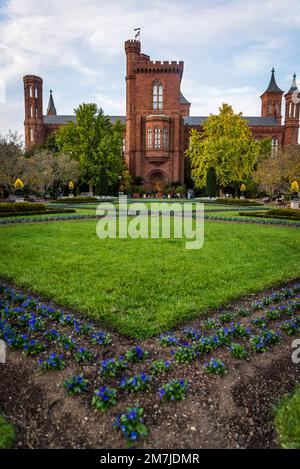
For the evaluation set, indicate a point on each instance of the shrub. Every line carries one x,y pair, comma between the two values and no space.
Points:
231,201
283,213
131,424
81,200
16,207
175,390
7,434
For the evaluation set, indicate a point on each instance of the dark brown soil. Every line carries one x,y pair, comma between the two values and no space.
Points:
235,411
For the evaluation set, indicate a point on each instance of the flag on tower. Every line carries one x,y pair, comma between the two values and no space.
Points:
138,33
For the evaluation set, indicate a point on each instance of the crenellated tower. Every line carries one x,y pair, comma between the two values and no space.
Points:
292,104
271,100
34,121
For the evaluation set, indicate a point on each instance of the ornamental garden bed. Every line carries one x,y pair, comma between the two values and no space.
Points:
279,213
28,208
211,383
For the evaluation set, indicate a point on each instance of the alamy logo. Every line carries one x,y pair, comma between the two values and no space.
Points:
296,353
152,220
2,351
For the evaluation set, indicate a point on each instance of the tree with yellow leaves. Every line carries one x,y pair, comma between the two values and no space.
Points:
226,144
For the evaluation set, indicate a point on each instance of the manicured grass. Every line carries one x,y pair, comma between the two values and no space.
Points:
144,286
287,421
7,434
78,211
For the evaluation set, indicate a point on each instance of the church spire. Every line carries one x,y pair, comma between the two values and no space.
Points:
51,110
273,87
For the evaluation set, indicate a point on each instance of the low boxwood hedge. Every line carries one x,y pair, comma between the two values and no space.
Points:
231,201
81,200
37,212
284,213
17,207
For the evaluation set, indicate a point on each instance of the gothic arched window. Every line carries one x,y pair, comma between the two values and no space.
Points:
274,145
157,95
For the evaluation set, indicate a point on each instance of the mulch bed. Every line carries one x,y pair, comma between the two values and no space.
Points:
234,411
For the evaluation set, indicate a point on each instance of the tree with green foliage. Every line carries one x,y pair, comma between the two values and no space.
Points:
96,143
211,182
227,145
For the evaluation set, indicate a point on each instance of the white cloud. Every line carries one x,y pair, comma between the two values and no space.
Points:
78,46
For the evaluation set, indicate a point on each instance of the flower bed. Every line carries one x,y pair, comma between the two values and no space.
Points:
55,339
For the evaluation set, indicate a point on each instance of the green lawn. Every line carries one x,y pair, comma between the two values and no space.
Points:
287,421
144,286
7,434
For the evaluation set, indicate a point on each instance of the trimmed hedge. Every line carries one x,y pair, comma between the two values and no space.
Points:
17,207
232,201
80,200
284,213
37,212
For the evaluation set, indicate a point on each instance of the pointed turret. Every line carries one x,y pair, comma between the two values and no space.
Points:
271,100
51,110
293,85
292,112
273,87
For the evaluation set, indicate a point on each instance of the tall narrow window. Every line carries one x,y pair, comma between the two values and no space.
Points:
30,91
274,146
149,138
165,138
294,113
31,134
36,91
290,110
157,138
157,95
270,107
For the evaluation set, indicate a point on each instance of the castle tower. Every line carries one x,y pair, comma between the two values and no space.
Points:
271,100
155,108
132,49
51,109
34,121
292,104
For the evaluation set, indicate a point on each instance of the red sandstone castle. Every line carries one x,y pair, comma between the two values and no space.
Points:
158,120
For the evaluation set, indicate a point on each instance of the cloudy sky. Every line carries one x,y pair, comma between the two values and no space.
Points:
77,47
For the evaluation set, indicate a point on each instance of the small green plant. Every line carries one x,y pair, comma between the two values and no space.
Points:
175,390
226,317
76,385
209,324
136,354
111,367
53,362
168,340
185,353
131,423
104,398
7,434
238,351
140,382
34,347
216,367
160,366
83,355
